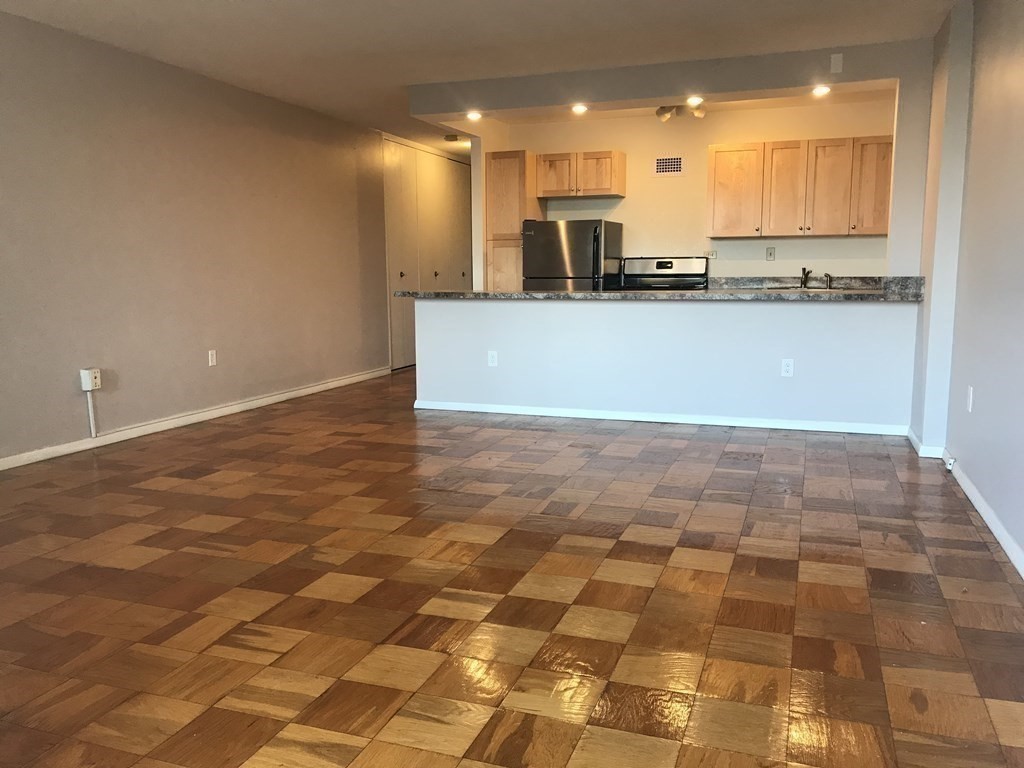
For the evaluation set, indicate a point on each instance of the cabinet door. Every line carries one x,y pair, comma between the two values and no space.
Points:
600,174
556,175
829,171
735,185
402,244
505,265
511,193
871,187
785,188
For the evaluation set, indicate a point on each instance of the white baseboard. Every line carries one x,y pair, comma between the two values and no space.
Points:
182,419
925,451
1010,546
669,418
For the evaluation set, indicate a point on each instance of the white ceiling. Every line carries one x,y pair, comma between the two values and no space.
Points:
353,58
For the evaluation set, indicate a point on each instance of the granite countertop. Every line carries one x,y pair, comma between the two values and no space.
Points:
890,289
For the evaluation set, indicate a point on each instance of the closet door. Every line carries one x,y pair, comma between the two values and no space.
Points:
400,222
460,216
432,183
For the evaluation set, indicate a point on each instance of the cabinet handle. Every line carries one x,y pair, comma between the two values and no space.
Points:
463,274
808,229
801,229
436,274
401,274
757,229
853,226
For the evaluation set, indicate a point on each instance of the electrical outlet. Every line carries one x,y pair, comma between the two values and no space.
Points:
492,359
90,379
970,398
710,254
787,368
211,357
769,253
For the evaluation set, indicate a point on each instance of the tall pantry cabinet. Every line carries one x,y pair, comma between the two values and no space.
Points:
428,228
511,197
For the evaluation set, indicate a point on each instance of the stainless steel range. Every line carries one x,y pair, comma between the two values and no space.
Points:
671,274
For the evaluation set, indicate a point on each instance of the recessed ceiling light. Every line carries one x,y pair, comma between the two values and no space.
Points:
695,101
821,90
579,109
473,115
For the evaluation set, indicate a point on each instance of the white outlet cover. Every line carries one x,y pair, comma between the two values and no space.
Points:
787,368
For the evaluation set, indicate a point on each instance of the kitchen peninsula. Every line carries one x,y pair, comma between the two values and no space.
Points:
749,352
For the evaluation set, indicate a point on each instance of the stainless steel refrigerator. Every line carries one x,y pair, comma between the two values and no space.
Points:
570,255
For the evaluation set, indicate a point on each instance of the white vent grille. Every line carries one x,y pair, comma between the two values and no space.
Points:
670,165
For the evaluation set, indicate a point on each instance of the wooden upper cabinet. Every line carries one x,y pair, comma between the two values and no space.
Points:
600,174
871,186
829,175
581,174
735,188
556,175
785,188
511,193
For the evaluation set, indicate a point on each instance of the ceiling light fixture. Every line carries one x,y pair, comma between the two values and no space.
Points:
664,113
473,115
821,90
695,101
579,109
698,112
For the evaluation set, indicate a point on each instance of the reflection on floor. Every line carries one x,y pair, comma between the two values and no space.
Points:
339,580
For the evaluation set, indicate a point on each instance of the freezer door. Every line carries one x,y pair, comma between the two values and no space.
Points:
586,285
561,249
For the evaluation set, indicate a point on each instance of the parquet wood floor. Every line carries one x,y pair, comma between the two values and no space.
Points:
341,581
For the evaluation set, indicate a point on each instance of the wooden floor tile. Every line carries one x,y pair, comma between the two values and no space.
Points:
218,737
577,655
754,730
68,707
204,679
605,748
72,753
557,695
354,708
394,666
257,643
827,743
597,623
299,746
381,753
648,711
474,680
279,694
494,642
745,683
435,724
327,655
651,668
20,746
939,714
519,740
1008,720
140,724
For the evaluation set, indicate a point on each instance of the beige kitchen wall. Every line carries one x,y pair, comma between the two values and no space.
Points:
665,216
148,215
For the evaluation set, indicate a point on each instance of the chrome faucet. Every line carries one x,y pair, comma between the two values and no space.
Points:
804,274
828,282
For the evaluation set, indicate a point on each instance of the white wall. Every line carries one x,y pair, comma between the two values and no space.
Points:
940,248
988,350
148,215
666,216
702,362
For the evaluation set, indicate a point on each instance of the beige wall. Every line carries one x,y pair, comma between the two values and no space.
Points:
988,353
149,215
666,216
